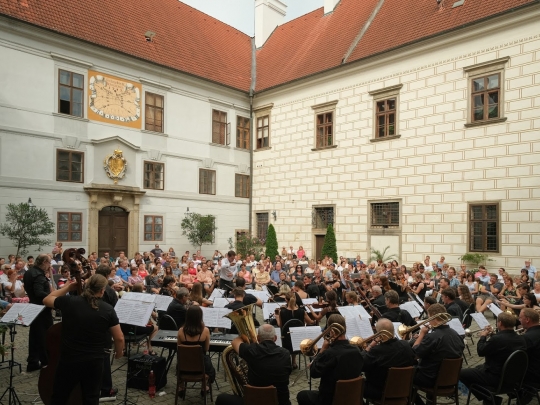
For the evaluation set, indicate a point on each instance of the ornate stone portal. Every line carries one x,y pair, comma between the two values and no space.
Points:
104,195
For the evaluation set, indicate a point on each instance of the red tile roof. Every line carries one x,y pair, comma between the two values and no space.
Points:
186,39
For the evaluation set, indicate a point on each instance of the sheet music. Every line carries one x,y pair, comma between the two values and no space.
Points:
22,314
309,301
221,302
354,312
214,317
495,309
410,308
303,332
396,327
133,312
268,309
135,296
480,320
162,302
455,324
217,293
419,307
358,327
262,295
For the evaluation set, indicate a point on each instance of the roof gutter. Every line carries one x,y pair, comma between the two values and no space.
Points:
251,131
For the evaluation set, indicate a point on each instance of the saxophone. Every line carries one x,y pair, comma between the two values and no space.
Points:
236,368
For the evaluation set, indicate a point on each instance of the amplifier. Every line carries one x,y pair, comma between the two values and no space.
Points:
139,367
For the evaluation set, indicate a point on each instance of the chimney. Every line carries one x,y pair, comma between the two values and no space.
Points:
268,15
330,5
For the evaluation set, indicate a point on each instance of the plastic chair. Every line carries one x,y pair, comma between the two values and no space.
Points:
190,368
350,392
446,384
398,387
260,395
512,375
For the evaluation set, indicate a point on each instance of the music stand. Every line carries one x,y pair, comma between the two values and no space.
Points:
6,363
13,399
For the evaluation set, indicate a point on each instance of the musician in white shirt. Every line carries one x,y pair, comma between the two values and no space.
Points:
228,271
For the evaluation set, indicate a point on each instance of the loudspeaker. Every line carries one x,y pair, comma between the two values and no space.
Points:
139,367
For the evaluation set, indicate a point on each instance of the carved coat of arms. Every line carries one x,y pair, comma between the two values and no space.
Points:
115,166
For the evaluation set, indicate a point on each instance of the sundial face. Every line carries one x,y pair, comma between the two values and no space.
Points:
114,100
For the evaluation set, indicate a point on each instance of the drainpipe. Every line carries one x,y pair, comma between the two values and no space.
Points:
251,130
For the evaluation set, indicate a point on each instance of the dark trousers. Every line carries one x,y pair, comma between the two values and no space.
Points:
68,375
424,381
372,392
37,351
106,378
229,399
226,285
478,375
308,398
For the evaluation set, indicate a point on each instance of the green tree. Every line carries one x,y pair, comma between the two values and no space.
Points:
271,242
27,226
199,229
330,247
247,245
378,256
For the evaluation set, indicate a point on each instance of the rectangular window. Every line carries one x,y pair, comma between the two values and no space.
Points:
262,225
242,132
69,166
386,117
384,214
322,217
241,186
485,97
263,132
70,93
154,175
69,227
207,181
154,112
219,127
484,227
325,131
153,227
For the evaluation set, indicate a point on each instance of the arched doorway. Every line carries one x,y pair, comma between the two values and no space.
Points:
112,231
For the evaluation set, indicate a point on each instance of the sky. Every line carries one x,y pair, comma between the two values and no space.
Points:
240,14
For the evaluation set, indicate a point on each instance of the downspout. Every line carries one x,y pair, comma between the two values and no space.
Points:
251,129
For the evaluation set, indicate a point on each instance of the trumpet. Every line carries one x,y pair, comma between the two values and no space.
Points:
308,347
441,318
379,337
478,332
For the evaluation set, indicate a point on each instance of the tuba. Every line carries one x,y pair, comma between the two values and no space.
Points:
236,368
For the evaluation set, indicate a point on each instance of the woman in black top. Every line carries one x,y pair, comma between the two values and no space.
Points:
298,274
168,286
291,311
195,333
331,308
420,288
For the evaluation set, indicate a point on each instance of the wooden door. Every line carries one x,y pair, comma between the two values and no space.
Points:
319,242
113,231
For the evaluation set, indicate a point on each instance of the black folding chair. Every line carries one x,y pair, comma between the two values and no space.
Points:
285,330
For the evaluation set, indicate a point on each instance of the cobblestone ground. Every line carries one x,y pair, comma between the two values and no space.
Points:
26,383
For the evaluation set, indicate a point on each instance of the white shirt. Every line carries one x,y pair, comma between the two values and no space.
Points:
228,270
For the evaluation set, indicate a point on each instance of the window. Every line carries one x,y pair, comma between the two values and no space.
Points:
241,186
263,132
242,132
325,131
153,228
69,227
207,181
386,118
262,225
321,217
69,166
384,214
154,112
485,97
154,174
70,93
219,127
484,227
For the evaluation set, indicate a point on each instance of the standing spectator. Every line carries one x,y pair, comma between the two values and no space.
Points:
530,269
156,251
300,253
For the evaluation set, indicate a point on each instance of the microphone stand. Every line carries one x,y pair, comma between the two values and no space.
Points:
13,399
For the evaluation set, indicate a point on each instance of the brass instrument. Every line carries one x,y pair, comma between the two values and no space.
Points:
308,347
442,318
478,332
379,337
235,367
521,331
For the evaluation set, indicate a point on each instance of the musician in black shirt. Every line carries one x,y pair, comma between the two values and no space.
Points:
394,312
529,319
268,364
379,357
378,299
339,361
448,296
432,348
240,302
496,350
177,308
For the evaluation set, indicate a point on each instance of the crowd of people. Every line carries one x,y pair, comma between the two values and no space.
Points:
289,279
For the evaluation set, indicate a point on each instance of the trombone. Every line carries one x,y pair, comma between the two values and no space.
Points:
478,332
379,337
441,318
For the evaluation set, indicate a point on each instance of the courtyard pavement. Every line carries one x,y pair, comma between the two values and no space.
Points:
26,383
